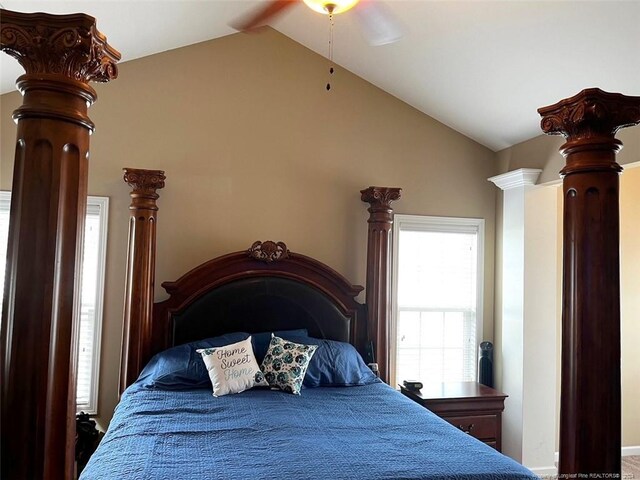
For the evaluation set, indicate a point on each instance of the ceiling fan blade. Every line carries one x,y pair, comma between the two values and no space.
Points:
378,24
262,14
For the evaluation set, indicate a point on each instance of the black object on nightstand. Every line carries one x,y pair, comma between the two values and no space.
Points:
412,385
485,364
473,408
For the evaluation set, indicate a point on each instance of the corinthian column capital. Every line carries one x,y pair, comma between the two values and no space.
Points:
379,199
144,182
61,45
589,121
590,113
380,196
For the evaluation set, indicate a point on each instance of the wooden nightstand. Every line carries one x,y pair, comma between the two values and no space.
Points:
473,408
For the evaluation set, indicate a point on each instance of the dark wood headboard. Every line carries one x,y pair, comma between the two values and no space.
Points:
264,288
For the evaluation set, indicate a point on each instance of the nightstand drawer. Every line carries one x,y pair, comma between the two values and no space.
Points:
469,406
478,426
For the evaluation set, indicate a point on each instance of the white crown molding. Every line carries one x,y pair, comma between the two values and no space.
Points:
523,177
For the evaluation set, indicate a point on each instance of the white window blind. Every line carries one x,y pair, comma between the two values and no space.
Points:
437,298
93,270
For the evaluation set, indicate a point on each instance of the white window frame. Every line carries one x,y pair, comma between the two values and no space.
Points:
426,223
102,203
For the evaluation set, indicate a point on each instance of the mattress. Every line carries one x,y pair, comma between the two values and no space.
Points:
367,432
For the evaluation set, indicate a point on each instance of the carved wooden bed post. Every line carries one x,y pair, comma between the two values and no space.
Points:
379,270
590,419
61,54
137,335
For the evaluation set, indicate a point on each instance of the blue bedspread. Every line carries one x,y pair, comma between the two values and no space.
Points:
366,433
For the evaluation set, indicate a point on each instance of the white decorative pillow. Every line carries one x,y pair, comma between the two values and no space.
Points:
285,364
232,368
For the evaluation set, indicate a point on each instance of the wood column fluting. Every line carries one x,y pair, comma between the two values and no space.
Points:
137,335
590,405
61,54
378,292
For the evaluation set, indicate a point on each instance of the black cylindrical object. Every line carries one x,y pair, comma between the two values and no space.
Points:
485,364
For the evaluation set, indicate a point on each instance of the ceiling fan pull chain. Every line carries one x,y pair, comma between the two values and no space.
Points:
330,50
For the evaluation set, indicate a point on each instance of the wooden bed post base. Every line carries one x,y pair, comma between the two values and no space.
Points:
137,336
378,288
590,419
60,54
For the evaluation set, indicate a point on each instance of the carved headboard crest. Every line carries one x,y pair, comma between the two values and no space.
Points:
268,251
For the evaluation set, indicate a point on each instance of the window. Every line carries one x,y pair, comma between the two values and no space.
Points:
93,269
437,298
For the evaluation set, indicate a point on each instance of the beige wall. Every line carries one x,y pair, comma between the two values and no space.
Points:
630,308
254,147
542,152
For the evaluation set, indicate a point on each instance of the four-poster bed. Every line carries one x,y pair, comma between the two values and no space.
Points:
358,428
355,429
49,188
267,288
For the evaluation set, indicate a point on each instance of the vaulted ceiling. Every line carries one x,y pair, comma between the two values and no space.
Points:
483,68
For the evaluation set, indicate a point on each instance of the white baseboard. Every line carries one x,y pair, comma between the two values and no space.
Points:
626,451
552,472
545,472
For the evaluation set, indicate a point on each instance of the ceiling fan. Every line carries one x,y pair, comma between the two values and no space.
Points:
378,24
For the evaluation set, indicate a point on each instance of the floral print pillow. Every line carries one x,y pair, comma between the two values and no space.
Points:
232,368
285,364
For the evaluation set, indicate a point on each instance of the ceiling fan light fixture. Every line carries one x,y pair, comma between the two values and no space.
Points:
330,6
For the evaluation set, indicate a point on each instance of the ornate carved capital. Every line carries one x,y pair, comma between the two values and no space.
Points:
144,181
589,122
268,251
66,45
592,113
380,197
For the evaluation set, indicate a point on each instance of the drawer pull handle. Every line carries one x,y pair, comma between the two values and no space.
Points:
466,429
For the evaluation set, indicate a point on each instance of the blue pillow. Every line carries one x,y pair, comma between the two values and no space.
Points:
181,367
335,364
261,341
